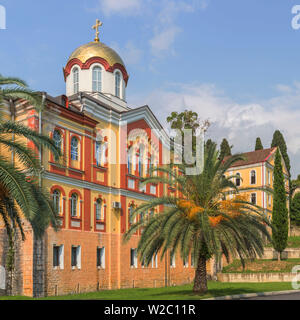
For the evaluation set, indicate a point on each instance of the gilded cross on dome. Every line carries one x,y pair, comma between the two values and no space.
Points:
96,27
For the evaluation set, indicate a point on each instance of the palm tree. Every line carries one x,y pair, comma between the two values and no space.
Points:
201,222
20,194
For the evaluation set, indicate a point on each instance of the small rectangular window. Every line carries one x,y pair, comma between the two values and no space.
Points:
133,258
101,257
55,256
76,257
58,256
153,189
173,261
131,184
154,261
253,198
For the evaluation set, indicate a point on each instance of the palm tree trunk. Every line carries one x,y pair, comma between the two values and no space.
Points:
200,282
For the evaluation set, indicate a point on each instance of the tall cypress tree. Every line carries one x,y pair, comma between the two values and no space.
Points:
225,149
278,141
280,211
258,144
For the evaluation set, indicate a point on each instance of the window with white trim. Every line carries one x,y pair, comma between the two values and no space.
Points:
58,256
74,148
152,189
97,79
154,261
99,210
74,205
118,84
253,177
133,258
76,257
76,80
131,184
101,257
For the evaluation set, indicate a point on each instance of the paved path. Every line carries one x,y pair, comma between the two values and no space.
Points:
289,296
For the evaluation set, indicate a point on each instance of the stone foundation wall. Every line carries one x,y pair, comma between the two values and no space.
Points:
255,277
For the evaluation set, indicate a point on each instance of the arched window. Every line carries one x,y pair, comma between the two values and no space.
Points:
74,148
74,202
97,79
56,201
99,210
57,139
76,80
238,180
118,84
253,177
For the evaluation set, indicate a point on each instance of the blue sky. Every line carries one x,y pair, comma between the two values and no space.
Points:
234,62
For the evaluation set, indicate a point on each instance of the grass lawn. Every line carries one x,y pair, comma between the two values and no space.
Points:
171,293
293,242
261,265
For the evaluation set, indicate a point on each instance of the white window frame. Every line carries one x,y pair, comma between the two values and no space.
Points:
118,81
131,184
251,177
74,213
75,149
102,257
154,261
99,202
135,258
75,73
61,256
97,81
152,188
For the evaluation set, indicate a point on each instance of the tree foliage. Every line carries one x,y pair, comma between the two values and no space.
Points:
278,141
258,144
225,149
201,222
20,193
280,210
295,209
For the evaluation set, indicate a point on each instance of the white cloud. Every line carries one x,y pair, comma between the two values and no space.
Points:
129,53
167,25
120,6
163,41
240,123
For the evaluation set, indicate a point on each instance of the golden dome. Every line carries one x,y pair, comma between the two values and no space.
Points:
96,49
